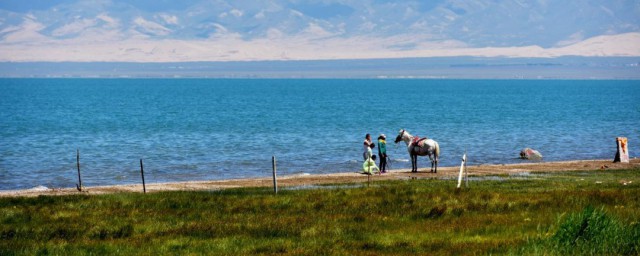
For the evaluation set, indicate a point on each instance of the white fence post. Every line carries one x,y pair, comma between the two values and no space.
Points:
463,169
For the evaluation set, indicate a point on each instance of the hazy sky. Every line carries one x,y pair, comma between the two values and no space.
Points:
219,30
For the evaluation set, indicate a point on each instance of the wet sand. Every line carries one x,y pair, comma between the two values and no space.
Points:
337,178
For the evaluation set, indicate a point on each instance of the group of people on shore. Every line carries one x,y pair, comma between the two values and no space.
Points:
370,159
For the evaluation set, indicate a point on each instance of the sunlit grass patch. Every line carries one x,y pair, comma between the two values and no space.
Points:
510,215
591,231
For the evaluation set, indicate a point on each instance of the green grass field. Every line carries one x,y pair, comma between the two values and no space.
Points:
561,213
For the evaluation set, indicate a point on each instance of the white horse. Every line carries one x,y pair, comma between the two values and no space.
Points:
420,147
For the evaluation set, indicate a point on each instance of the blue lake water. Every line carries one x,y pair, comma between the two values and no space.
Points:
201,129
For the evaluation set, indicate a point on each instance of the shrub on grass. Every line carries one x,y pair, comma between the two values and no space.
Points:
593,231
426,213
113,233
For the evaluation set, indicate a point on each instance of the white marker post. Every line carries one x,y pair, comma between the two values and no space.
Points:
463,169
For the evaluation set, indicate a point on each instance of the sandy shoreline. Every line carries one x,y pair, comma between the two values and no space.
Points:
352,177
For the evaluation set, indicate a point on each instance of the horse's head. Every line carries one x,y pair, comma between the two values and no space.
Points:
399,137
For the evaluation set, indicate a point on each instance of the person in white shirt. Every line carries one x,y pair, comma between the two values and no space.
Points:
368,145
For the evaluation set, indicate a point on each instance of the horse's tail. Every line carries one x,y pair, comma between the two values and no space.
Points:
437,149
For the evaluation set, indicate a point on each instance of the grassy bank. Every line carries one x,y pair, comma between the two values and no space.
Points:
560,213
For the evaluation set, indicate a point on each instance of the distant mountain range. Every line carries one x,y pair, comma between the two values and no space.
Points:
227,30
405,68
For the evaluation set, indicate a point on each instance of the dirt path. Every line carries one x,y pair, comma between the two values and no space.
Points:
305,180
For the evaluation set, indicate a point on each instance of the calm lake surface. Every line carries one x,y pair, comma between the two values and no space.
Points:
201,129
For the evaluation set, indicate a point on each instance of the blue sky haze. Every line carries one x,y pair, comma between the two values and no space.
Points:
221,30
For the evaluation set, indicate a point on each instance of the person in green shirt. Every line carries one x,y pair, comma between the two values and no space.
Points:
382,152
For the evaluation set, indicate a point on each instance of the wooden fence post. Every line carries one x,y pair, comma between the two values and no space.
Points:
79,185
275,180
144,187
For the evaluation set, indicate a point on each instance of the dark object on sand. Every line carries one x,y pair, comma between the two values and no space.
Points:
530,154
622,152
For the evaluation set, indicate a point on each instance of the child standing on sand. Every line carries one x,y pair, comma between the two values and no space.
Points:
370,165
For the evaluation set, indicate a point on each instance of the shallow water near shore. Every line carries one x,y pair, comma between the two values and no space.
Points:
199,129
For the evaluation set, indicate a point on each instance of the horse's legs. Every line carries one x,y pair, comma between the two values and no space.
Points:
414,163
436,162
431,159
